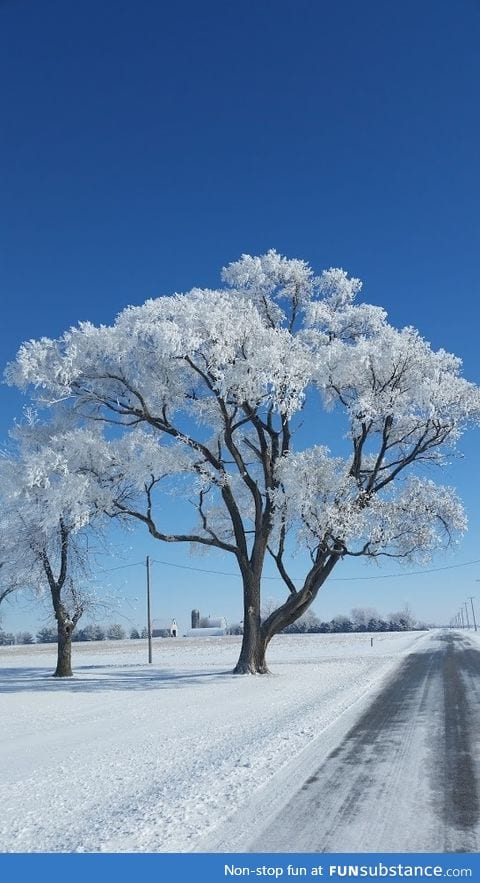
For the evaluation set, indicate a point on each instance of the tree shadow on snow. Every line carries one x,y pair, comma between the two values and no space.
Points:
102,678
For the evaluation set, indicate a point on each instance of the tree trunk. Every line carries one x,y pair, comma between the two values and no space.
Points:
64,652
252,655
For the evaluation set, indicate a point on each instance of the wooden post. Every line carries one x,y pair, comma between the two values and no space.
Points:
149,619
473,613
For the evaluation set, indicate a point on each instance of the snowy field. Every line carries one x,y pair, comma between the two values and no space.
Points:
133,757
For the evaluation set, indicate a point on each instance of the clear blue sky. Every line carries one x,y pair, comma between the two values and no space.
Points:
145,144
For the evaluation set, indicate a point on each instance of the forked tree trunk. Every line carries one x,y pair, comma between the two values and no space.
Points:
64,651
257,635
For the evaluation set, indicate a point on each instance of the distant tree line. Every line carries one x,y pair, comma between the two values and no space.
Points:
361,619
48,635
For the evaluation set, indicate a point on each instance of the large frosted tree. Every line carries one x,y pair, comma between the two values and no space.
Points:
206,391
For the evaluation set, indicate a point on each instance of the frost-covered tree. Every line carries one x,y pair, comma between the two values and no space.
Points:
116,632
49,503
361,616
24,638
402,620
341,623
205,391
307,622
92,632
47,635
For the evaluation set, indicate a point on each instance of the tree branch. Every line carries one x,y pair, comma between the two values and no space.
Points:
175,538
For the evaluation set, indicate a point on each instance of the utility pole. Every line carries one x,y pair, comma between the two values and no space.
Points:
149,618
466,614
462,618
471,597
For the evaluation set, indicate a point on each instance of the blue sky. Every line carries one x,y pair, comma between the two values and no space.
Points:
144,145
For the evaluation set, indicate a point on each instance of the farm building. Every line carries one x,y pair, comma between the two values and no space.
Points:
206,626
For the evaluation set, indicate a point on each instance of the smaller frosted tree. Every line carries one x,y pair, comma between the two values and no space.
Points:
49,506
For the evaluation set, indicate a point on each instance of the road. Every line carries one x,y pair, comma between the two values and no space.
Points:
405,777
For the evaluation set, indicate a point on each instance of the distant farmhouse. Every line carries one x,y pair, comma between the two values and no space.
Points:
206,626
163,628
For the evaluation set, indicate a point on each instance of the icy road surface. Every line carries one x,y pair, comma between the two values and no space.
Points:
131,757
403,778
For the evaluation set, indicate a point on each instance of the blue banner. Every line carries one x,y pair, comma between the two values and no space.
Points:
216,868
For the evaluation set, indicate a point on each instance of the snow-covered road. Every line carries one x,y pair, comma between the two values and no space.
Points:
404,777
131,757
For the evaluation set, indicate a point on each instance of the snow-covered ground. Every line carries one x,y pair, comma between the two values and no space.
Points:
133,757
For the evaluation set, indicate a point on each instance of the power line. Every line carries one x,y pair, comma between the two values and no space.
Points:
338,579
121,567
345,579
408,572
